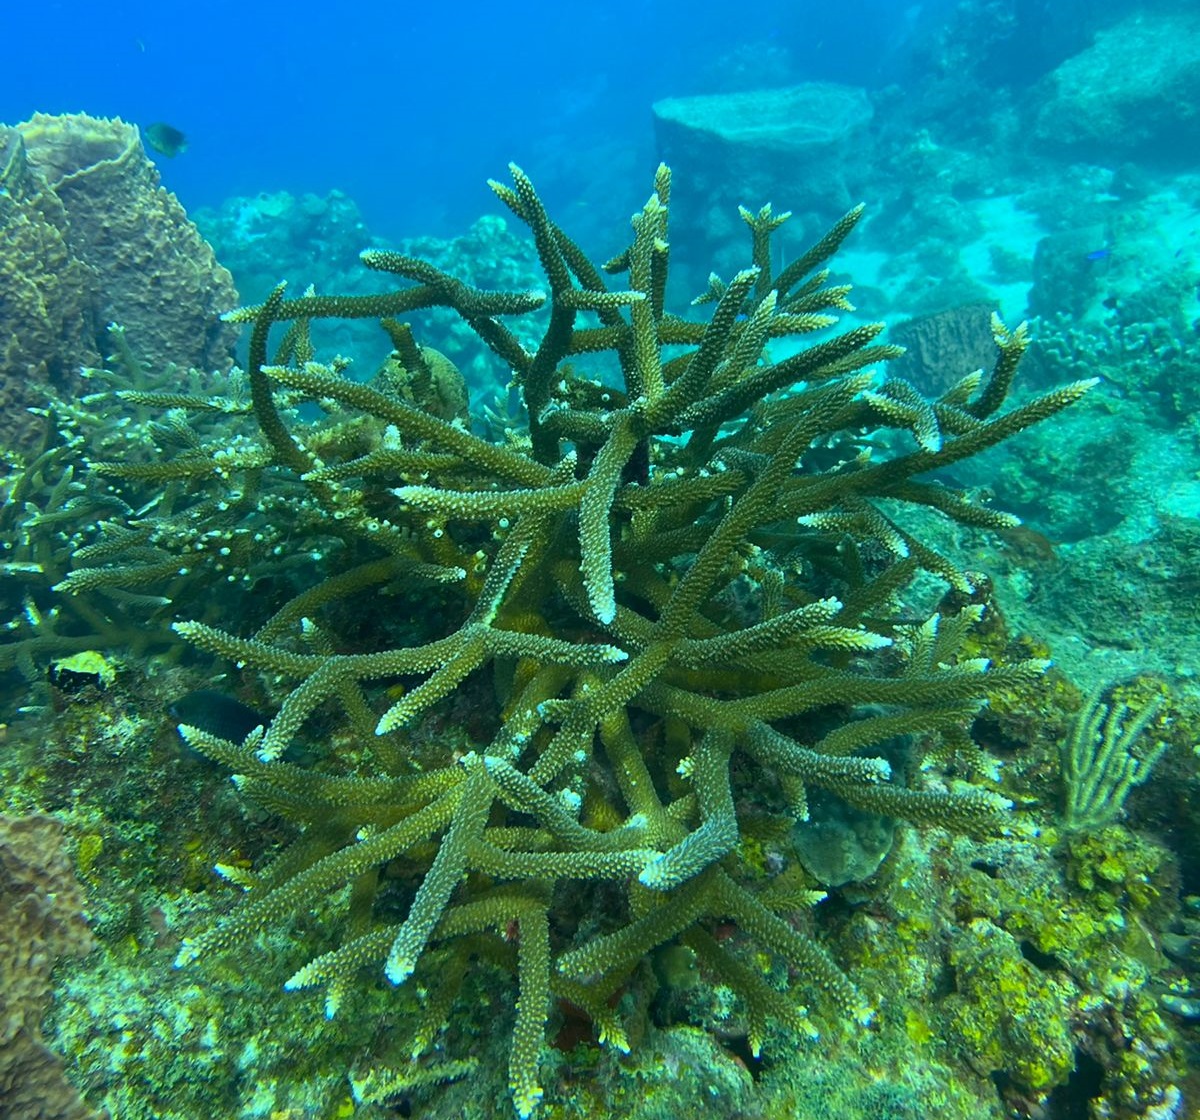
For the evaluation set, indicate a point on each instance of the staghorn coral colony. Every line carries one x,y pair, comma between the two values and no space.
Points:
548,694
616,576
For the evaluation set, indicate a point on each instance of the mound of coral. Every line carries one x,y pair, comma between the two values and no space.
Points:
41,919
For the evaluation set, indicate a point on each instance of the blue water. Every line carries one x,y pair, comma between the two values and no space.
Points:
405,107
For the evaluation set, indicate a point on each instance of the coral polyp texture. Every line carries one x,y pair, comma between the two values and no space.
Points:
41,920
559,683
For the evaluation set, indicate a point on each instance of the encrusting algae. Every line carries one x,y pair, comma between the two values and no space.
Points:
665,610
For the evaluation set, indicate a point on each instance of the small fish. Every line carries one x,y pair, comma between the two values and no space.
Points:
1098,254
218,714
165,139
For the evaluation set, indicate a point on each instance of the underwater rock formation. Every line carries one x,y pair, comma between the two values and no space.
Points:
1134,91
803,143
92,238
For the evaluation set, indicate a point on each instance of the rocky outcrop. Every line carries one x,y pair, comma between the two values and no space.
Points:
1134,91
803,146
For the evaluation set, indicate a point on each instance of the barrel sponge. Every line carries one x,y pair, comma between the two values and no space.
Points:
945,346
41,920
148,267
46,331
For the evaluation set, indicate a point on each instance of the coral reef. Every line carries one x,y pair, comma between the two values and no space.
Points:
56,517
263,237
41,920
352,547
415,600
490,255
92,238
1125,515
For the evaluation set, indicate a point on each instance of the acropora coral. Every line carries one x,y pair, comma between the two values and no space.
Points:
557,682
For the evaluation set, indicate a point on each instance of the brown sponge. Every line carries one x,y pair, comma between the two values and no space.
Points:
88,237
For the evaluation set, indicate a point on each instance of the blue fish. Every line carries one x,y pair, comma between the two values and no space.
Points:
1098,254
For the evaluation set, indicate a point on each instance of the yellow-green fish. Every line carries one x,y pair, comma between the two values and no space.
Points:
165,139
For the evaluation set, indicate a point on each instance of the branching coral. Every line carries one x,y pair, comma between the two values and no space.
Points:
683,586
127,557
